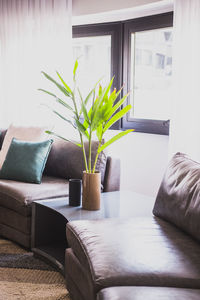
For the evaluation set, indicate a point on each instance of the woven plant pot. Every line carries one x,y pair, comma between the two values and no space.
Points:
91,191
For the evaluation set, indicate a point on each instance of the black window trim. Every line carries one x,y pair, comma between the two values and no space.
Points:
136,25
120,60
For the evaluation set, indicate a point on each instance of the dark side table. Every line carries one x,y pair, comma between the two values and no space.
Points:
49,219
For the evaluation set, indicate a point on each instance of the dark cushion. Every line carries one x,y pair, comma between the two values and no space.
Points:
66,160
25,161
18,195
149,293
136,251
178,199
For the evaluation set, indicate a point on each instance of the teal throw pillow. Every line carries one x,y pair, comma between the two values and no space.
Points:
25,161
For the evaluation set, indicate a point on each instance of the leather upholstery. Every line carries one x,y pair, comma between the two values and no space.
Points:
148,293
77,278
17,195
112,175
65,160
15,220
15,235
15,205
142,258
178,199
137,251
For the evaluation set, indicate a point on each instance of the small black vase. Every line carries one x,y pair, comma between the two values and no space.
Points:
75,192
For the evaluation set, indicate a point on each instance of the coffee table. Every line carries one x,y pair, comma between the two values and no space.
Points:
49,218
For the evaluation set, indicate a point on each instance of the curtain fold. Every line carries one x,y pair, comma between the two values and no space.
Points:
185,122
35,36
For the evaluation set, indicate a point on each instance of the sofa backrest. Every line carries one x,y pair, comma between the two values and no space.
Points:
178,199
66,160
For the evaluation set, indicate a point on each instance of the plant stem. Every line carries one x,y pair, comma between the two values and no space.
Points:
97,155
90,150
81,136
84,154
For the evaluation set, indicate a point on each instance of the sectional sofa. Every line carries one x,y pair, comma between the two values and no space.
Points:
64,161
142,258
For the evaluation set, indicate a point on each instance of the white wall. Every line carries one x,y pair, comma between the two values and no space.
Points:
143,158
94,11
82,7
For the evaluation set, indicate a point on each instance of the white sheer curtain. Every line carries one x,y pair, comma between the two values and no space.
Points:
185,123
35,36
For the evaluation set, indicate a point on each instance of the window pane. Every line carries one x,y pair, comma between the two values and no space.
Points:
94,55
151,74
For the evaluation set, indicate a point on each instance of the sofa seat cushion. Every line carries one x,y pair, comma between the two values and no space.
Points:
18,196
150,293
136,251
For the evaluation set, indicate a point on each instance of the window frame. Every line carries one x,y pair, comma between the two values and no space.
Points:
120,60
132,26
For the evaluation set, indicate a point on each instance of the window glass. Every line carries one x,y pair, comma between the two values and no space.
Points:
151,74
94,57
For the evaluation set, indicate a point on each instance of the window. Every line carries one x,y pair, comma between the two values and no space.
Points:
100,55
94,60
139,53
148,72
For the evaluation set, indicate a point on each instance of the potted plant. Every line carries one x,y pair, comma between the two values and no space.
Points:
93,115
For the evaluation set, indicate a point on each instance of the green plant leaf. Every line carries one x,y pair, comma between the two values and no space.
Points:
75,68
85,113
64,104
112,96
57,99
86,100
61,88
116,117
117,105
88,96
114,138
85,124
81,128
61,137
49,93
84,109
64,83
62,117
109,87
99,132
102,98
106,110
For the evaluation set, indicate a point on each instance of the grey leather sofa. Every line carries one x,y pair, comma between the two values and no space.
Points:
142,258
65,161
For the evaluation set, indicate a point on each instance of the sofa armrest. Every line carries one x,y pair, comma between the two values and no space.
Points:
112,175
